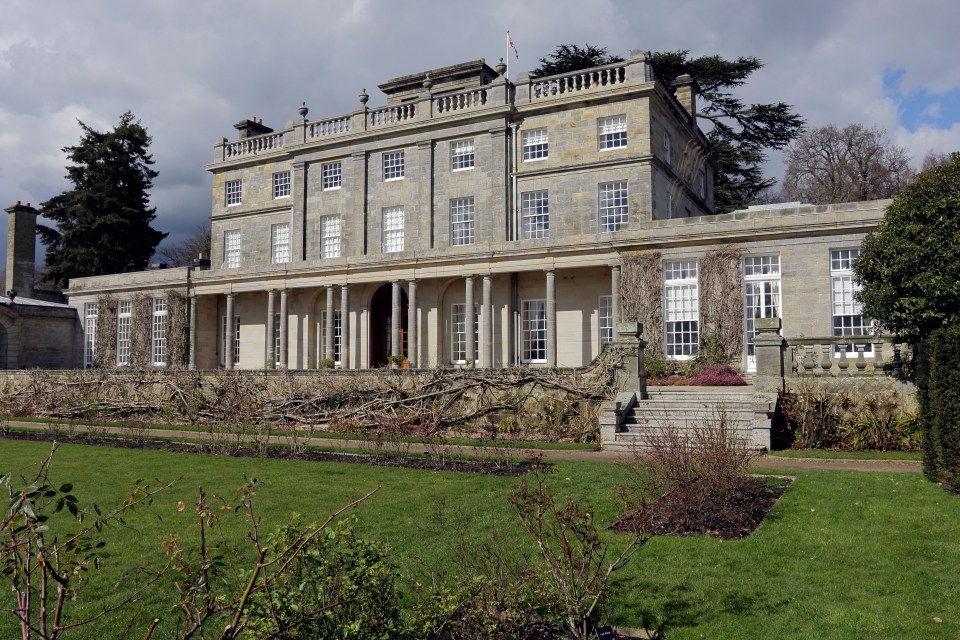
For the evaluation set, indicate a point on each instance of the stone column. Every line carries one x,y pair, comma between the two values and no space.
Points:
395,347
271,359
283,328
230,336
551,320
413,342
615,295
469,321
328,350
192,362
486,323
768,345
345,326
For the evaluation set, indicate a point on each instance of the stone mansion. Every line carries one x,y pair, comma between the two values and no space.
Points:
478,221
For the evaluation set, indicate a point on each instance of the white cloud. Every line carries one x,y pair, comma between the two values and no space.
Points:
189,70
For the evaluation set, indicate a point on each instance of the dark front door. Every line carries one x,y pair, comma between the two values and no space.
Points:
381,318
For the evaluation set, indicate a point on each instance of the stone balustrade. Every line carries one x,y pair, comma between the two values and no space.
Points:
462,101
578,81
330,127
779,358
392,115
839,356
252,146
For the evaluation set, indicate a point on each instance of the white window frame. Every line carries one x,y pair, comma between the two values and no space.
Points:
462,155
458,333
533,331
762,298
276,339
393,233
337,334
393,166
225,344
535,144
605,320
463,221
535,214
681,309
612,132
158,332
231,248
613,204
846,313
124,331
233,192
331,175
280,243
331,229
281,184
91,312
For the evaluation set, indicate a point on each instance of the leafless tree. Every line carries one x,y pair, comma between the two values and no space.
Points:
189,249
830,164
934,159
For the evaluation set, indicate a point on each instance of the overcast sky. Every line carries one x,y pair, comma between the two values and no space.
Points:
190,70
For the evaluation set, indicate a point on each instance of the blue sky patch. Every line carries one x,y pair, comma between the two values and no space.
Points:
920,106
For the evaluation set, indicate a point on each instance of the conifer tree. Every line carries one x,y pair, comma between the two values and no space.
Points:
103,222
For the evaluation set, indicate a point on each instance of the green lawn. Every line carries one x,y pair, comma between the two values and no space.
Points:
846,455
843,554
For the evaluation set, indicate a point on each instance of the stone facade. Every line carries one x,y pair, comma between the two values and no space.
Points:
474,219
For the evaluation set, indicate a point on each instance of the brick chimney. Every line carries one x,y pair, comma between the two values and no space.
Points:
21,249
685,88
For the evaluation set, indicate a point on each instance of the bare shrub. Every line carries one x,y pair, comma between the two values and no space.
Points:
693,480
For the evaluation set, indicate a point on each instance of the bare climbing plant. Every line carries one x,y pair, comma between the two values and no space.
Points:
641,293
721,299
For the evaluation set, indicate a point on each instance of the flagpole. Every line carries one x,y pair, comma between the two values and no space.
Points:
507,57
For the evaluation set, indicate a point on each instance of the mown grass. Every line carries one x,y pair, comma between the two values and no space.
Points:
846,455
77,427
842,555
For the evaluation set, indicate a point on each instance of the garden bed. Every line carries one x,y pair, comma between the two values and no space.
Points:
498,467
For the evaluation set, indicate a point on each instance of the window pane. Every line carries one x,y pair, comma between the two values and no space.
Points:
332,173
280,236
535,144
231,249
614,206
330,237
612,132
534,330
281,184
462,221
535,213
392,229
393,165
461,155
232,192
681,308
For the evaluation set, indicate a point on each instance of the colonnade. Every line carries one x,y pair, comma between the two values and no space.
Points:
485,358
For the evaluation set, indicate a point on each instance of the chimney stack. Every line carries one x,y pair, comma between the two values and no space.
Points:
21,249
685,88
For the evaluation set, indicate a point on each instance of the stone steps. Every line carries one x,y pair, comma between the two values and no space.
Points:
630,424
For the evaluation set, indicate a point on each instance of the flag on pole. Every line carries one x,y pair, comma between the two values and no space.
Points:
512,46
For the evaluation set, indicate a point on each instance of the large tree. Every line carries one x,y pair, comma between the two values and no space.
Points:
103,222
830,164
909,268
189,249
741,134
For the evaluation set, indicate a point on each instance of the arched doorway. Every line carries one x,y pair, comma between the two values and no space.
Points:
381,324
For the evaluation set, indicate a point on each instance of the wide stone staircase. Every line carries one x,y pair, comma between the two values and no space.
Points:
628,421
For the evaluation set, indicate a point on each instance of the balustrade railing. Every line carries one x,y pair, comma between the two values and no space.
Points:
461,101
250,146
392,115
578,81
329,127
842,356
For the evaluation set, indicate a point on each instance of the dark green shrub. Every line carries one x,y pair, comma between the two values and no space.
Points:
938,387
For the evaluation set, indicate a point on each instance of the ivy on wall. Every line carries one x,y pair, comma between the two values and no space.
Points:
641,293
105,354
721,300
141,328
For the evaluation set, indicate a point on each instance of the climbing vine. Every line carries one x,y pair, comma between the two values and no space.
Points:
641,294
177,328
721,300
105,354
